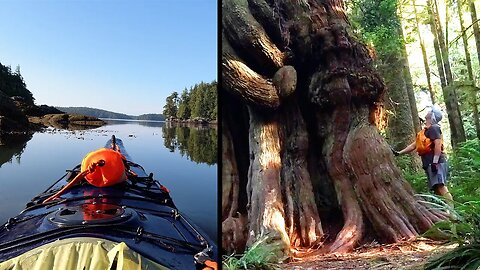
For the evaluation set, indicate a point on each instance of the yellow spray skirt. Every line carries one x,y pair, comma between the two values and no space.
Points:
81,253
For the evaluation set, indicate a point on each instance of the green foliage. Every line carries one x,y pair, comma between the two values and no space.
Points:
417,179
150,117
466,92
12,84
199,101
378,24
210,102
258,256
465,257
465,171
183,107
171,105
465,230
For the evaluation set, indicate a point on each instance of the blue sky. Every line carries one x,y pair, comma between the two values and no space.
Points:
123,56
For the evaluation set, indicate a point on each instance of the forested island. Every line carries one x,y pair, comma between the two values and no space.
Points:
195,105
19,113
99,113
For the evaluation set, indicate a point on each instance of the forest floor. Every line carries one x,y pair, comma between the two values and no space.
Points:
405,255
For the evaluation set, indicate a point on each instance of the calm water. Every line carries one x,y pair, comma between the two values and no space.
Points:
181,158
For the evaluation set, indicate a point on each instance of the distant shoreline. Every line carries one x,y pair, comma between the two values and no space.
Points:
194,121
212,123
132,120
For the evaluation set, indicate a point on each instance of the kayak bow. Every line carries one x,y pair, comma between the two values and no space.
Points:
132,221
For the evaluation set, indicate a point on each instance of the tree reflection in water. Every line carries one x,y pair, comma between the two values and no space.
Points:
197,142
12,146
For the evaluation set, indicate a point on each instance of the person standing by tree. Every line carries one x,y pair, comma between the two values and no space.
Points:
429,145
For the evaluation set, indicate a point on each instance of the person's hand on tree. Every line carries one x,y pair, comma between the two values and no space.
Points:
395,152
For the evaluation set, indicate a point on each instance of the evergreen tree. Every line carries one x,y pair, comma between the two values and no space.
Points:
183,106
199,101
171,105
12,84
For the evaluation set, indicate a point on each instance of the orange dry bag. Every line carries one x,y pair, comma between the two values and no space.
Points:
112,172
423,143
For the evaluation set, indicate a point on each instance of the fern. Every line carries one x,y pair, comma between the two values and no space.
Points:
464,167
259,256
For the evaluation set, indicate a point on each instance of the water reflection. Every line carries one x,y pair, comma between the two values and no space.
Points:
12,146
198,143
72,126
139,122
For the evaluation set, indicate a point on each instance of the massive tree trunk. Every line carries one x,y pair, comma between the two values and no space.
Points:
313,102
468,62
301,215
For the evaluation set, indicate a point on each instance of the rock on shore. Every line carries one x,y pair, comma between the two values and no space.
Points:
67,121
11,117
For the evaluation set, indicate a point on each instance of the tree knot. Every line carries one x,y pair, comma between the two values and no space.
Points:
285,81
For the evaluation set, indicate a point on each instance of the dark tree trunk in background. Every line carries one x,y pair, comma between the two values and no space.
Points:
476,34
465,41
313,99
400,131
442,43
468,62
436,46
409,84
449,94
408,76
424,54
476,28
447,18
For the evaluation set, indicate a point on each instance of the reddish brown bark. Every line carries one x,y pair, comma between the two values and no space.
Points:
301,216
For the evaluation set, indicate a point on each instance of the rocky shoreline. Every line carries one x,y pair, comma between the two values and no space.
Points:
194,121
18,116
67,121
